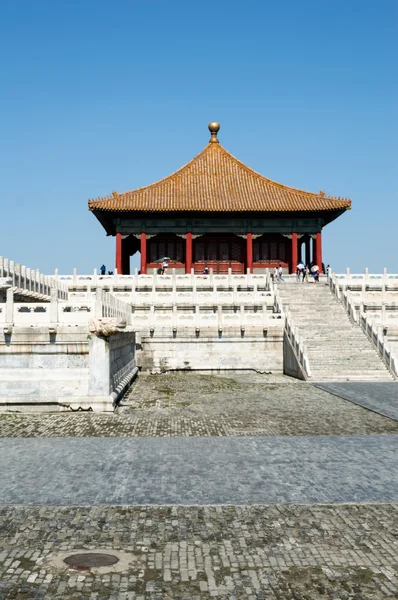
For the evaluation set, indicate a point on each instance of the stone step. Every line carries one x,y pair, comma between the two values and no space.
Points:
344,369
347,364
352,376
357,376
348,369
354,349
337,349
332,363
344,378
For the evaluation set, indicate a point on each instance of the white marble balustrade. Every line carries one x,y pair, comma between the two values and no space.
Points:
363,281
199,321
171,281
30,282
63,312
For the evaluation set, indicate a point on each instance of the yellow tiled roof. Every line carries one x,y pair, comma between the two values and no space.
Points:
216,181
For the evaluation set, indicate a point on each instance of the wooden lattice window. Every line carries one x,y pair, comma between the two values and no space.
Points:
236,251
269,249
212,250
224,251
199,251
178,252
159,248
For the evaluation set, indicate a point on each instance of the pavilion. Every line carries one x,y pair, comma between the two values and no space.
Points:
217,212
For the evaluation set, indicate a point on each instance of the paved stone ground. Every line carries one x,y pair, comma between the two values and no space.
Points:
380,397
210,405
224,470
254,552
193,553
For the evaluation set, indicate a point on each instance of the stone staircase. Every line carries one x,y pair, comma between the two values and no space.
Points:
337,349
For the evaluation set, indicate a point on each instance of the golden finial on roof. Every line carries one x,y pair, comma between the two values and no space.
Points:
214,128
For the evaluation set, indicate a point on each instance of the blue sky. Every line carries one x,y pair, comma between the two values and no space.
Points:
99,96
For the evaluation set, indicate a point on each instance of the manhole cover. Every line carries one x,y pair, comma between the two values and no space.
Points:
88,560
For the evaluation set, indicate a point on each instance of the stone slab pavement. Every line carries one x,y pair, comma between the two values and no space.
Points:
197,471
278,552
379,397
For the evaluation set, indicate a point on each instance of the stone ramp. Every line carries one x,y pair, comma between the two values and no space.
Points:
337,349
381,398
199,471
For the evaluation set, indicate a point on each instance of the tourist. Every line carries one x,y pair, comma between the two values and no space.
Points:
103,270
305,274
276,274
280,273
165,264
299,271
206,271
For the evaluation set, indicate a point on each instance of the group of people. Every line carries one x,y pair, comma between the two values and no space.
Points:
278,273
303,272
103,270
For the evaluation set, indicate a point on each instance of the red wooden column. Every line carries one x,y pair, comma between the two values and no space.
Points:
318,251
294,256
143,254
249,252
119,254
188,253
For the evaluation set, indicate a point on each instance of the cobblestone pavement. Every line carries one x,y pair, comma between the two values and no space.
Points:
210,405
377,396
343,552
207,549
216,470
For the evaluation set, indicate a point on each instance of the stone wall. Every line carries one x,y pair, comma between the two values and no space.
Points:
112,365
261,352
66,370
43,371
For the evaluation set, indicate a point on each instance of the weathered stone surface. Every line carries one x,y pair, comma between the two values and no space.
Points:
382,397
5,282
230,552
226,470
106,327
210,352
41,371
278,552
190,404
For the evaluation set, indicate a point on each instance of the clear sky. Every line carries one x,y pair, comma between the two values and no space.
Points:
101,95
